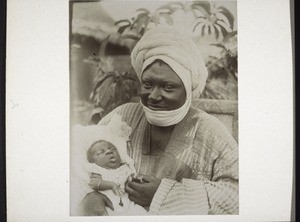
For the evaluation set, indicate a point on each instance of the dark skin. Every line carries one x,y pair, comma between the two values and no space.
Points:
142,193
94,204
161,89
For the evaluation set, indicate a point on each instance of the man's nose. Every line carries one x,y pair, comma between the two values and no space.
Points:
155,94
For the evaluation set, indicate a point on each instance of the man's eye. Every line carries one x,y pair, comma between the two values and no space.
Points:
147,85
168,87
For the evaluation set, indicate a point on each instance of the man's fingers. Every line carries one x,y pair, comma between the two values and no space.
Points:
136,185
147,178
138,201
151,179
134,199
130,190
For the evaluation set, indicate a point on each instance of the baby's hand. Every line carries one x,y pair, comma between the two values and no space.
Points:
136,178
139,178
117,190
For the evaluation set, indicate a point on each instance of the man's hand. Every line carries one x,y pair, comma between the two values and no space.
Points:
142,193
94,204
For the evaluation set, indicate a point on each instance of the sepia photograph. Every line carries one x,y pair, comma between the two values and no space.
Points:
149,110
153,108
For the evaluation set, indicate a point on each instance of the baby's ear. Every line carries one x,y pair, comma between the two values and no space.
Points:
90,158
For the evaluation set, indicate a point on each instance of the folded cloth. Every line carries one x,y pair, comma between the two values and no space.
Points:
177,50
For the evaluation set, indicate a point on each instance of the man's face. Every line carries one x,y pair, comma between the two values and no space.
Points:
106,155
161,88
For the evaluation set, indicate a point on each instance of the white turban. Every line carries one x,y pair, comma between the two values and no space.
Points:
178,51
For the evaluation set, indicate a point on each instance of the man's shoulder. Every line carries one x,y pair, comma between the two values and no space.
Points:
129,108
204,117
210,125
130,112
132,105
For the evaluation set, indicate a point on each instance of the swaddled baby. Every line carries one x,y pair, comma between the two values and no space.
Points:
110,166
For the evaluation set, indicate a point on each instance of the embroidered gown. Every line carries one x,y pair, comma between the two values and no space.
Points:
198,168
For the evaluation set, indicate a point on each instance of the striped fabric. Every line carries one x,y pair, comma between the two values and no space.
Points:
198,169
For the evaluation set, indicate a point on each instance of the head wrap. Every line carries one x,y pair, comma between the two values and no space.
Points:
177,50
183,56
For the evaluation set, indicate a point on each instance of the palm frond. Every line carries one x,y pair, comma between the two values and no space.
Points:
228,15
139,16
206,29
168,18
212,29
229,35
134,37
143,10
122,28
224,25
202,30
166,9
218,31
141,24
122,21
203,6
198,25
222,17
219,45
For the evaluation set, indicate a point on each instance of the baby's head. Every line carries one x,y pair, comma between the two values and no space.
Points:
104,154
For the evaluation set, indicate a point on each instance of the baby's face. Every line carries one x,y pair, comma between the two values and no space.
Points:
106,155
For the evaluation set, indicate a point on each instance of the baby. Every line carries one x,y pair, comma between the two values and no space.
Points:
109,169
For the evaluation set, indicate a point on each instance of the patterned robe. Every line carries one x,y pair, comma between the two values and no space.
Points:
198,168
